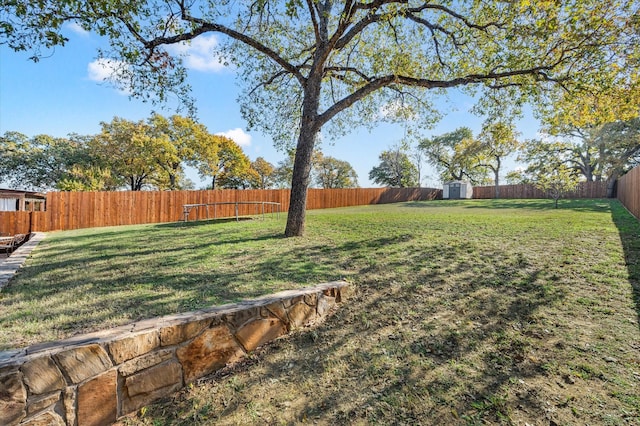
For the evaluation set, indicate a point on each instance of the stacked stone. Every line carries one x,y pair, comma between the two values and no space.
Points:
94,379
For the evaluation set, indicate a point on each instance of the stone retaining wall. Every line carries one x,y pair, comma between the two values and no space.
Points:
96,378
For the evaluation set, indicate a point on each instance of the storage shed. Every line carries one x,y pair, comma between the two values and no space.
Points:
456,190
12,200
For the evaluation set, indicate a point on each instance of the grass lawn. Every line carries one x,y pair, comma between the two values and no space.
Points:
466,312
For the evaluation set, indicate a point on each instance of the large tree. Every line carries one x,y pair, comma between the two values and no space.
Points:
177,139
622,139
129,150
41,162
223,161
455,155
497,141
395,169
265,172
333,173
310,63
597,152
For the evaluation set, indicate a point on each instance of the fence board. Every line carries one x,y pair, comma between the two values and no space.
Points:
14,222
629,191
523,191
73,210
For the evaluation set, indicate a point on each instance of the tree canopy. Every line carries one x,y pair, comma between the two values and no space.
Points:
41,162
395,170
135,155
455,155
496,142
309,64
265,173
596,152
333,173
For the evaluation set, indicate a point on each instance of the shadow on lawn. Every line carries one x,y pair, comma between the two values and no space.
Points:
581,205
629,230
391,353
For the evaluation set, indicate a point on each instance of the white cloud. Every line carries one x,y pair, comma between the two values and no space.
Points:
238,135
103,69
198,54
396,109
76,28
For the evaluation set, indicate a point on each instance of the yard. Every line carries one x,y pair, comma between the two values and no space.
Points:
464,312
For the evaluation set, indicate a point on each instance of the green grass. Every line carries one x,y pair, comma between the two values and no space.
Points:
467,312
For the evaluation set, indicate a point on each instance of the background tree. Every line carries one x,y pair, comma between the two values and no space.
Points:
222,160
244,178
518,177
455,155
601,152
622,152
581,156
15,148
417,155
176,139
333,173
265,172
41,162
549,172
283,174
556,180
496,142
129,150
87,178
395,170
306,64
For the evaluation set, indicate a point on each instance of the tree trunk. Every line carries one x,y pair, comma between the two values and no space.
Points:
309,128
300,182
611,185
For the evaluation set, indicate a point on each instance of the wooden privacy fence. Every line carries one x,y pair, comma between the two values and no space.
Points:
629,191
12,223
75,210
583,190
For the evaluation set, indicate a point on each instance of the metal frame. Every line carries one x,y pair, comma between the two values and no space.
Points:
186,208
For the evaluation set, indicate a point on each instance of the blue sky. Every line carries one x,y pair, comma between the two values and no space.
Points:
64,93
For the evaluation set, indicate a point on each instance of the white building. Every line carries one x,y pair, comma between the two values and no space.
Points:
456,190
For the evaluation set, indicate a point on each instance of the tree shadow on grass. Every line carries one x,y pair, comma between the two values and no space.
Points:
108,282
412,352
582,205
629,230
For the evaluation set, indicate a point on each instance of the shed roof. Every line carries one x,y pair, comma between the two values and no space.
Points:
16,193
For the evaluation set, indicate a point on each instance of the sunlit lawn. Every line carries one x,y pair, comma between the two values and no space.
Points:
464,312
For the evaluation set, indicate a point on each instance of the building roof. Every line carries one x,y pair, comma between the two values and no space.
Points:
16,193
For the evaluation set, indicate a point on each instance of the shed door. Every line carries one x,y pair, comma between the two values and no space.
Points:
454,191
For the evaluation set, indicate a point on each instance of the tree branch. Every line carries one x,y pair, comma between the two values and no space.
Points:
454,14
384,81
204,27
314,21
